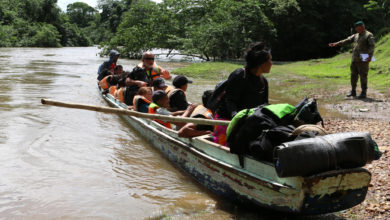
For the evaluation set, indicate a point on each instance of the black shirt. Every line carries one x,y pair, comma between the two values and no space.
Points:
139,74
244,90
178,101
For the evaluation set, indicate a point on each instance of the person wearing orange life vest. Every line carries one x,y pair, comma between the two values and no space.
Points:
177,96
160,106
112,90
121,89
108,81
159,84
201,111
152,69
143,99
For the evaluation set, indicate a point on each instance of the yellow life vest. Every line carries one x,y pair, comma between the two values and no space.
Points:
152,110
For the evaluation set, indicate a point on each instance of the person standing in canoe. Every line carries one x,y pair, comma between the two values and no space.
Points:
362,53
110,64
152,69
246,88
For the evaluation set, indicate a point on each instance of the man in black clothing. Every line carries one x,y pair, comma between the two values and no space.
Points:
247,87
177,96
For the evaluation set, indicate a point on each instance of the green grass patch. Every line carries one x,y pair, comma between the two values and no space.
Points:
208,70
302,78
336,70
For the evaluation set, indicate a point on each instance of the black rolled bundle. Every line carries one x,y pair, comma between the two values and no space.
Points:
314,155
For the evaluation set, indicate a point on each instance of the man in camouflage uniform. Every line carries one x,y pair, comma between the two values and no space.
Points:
363,44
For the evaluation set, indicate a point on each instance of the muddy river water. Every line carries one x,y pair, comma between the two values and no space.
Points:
73,164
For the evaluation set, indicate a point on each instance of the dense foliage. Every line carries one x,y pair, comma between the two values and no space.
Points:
218,29
222,29
37,23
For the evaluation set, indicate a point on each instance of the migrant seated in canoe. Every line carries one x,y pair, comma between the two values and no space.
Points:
134,80
159,84
201,111
108,81
152,69
143,99
177,96
110,64
118,70
160,105
121,89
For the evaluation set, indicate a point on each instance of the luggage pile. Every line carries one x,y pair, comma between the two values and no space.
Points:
289,137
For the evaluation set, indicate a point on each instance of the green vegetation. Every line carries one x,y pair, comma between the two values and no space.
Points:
208,70
335,71
313,77
223,29
212,30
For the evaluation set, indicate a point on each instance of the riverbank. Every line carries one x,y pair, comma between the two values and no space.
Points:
292,81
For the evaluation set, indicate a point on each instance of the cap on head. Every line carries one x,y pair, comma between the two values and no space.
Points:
359,23
180,81
158,95
159,83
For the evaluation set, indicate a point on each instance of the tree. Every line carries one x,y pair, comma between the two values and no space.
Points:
80,13
380,11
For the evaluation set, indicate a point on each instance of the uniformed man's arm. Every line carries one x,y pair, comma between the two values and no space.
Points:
348,40
371,45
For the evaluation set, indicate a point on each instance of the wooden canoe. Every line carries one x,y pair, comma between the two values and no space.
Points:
257,184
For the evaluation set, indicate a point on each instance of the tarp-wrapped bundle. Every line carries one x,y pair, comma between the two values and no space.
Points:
314,155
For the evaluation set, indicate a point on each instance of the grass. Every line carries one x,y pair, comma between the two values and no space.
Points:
304,78
209,70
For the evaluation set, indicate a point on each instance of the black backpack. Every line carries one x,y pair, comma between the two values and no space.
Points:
247,129
263,147
307,112
218,95
140,74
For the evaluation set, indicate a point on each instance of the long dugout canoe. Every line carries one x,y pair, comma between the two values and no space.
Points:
257,184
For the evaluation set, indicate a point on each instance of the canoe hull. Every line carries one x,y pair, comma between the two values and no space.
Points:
323,193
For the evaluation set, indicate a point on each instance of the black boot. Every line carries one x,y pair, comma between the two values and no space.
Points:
362,95
352,93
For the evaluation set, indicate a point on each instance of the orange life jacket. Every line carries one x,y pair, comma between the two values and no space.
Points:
202,111
169,88
137,98
152,110
152,74
119,94
104,82
112,90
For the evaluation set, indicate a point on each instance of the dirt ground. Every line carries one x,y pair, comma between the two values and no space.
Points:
372,115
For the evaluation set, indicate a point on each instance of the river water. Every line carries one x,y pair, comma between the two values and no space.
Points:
74,164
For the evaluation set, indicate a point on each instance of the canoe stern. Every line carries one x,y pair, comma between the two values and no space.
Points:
335,191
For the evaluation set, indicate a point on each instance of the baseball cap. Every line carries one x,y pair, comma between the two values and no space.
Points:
157,95
180,80
359,23
159,83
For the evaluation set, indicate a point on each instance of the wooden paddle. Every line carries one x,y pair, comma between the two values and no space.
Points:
133,113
